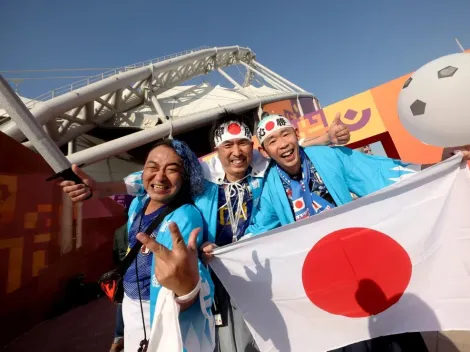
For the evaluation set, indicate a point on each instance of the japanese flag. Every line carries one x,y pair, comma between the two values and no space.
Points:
299,204
396,261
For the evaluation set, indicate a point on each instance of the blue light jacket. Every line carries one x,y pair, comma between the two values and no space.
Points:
343,171
196,322
207,203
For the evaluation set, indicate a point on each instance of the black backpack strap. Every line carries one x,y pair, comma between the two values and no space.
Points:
129,258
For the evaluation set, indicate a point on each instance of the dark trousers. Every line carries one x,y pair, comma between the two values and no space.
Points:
408,342
119,329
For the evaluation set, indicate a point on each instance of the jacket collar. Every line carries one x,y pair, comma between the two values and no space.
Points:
214,172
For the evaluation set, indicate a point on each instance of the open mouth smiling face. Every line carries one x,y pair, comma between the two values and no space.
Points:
282,146
163,174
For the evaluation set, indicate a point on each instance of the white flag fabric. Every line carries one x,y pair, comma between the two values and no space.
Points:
392,262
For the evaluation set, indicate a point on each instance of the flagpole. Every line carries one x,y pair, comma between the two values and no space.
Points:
460,45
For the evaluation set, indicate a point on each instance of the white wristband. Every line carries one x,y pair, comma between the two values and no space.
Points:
191,295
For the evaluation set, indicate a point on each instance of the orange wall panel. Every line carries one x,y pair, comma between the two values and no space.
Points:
360,114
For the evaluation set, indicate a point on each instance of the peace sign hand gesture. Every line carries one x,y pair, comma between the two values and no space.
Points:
176,269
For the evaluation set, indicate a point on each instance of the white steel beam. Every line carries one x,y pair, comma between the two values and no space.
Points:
230,79
269,80
123,79
157,106
282,79
287,88
52,130
136,139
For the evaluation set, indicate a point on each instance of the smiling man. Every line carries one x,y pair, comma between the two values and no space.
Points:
302,182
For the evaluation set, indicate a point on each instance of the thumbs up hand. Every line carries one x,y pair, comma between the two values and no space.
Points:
338,132
80,192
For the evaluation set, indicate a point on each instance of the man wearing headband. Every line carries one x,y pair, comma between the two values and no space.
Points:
235,181
302,182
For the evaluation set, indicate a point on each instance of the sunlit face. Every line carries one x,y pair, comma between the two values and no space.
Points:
236,156
283,147
163,174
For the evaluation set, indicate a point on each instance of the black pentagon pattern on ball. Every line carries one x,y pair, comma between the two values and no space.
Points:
407,83
418,107
448,71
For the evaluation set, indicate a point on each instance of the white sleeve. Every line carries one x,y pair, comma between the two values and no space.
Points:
134,184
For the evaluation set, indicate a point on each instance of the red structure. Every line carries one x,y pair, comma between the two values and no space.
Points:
38,255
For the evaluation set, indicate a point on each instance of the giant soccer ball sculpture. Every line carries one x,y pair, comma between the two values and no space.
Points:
434,104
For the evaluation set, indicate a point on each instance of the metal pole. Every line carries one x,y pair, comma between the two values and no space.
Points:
282,79
26,122
316,104
460,45
269,80
230,79
66,225
157,106
278,81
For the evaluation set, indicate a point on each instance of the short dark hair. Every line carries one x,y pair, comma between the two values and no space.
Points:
227,117
264,114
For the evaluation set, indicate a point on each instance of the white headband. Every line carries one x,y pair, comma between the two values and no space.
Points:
231,130
270,124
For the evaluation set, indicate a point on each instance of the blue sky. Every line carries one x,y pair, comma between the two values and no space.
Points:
334,49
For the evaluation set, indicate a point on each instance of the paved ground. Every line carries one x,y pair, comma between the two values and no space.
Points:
90,328
86,328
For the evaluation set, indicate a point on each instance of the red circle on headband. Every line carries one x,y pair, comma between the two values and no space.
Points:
234,128
269,126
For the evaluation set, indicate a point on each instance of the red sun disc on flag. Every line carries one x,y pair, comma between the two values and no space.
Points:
299,204
356,272
234,128
269,126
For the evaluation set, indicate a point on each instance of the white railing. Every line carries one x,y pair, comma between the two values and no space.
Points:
92,79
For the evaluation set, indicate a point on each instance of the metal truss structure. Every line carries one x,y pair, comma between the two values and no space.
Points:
71,111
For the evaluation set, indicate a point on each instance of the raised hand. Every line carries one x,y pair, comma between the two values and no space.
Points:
338,132
80,192
176,269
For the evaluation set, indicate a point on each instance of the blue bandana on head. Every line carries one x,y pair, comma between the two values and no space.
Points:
305,202
192,167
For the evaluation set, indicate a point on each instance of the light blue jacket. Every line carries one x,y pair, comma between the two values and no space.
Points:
197,321
343,170
208,202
